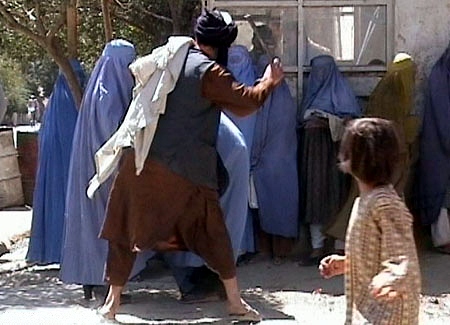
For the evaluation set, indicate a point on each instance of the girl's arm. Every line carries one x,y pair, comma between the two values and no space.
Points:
398,251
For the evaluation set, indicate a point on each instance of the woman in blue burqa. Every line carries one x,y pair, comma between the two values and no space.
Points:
327,102
433,187
274,171
106,99
55,146
241,66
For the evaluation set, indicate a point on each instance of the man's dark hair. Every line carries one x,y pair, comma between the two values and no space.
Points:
211,29
370,150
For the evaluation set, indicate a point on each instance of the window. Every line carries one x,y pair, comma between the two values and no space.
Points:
271,31
267,28
357,33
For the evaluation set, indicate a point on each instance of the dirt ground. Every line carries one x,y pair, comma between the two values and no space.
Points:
284,294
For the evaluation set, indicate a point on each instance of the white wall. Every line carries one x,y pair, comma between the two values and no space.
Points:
422,29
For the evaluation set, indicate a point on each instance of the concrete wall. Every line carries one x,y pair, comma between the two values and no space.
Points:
422,29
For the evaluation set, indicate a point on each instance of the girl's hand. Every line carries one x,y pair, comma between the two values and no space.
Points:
332,265
381,287
383,293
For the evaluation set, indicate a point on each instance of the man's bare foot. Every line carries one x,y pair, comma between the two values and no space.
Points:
244,312
107,312
112,303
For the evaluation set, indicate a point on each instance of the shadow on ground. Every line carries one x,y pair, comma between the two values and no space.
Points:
279,292
30,289
153,301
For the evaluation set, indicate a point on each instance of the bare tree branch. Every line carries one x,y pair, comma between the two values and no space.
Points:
51,33
122,5
130,5
39,23
128,21
11,22
150,13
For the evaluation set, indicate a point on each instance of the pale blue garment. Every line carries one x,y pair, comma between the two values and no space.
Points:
241,66
274,162
55,146
105,102
327,90
233,151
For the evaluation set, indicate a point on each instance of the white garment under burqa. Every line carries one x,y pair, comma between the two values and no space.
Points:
440,230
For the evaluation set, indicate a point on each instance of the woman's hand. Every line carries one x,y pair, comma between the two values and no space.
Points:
274,71
332,265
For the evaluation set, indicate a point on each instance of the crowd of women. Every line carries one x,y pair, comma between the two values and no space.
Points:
278,171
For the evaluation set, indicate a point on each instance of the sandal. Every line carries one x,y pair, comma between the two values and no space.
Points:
250,316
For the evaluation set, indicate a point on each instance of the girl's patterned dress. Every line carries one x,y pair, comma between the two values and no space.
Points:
380,244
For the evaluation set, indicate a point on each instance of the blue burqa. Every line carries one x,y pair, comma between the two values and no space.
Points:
328,90
434,158
241,66
105,102
274,162
55,145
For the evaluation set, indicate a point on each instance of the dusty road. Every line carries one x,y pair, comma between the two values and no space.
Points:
284,294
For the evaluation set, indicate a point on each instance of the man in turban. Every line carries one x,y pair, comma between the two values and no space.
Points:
173,204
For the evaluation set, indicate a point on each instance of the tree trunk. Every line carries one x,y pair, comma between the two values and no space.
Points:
64,65
72,29
107,20
176,12
72,51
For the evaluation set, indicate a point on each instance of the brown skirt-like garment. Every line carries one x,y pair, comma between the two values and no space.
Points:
163,211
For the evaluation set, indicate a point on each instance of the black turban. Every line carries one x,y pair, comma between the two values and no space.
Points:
211,29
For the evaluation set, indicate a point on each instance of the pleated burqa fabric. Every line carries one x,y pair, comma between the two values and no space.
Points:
323,187
274,162
55,146
434,157
104,105
241,66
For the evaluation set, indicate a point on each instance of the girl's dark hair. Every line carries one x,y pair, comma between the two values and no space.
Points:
370,150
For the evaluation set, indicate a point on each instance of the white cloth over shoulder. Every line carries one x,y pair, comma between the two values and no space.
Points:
156,75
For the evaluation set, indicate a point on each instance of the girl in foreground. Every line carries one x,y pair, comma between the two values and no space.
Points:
382,276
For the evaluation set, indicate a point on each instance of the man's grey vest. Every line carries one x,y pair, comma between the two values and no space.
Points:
185,139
